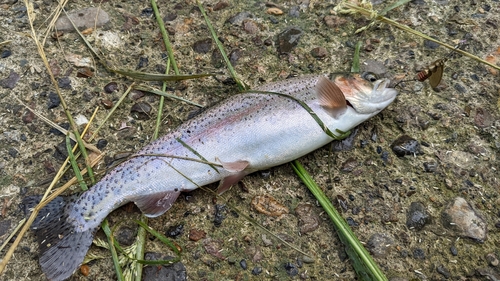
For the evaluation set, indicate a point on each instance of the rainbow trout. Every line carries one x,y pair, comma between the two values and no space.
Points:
243,134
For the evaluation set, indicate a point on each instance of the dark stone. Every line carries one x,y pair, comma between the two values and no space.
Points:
4,226
257,270
453,250
11,81
53,101
203,46
220,5
175,230
64,83
461,89
234,56
170,17
141,110
171,272
101,144
111,87
243,264
418,254
294,12
56,132
126,235
219,214
5,53
143,62
430,167
288,39
308,219
431,44
443,271
417,216
147,12
13,152
239,18
291,269
406,145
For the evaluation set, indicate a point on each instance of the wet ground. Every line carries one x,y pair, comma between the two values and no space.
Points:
456,127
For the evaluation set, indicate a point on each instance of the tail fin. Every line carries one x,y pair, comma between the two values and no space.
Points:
62,247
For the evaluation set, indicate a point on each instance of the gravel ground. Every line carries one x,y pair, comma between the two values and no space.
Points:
430,215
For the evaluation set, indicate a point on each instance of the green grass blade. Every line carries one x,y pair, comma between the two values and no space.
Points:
365,266
114,254
164,94
393,6
355,61
144,76
74,165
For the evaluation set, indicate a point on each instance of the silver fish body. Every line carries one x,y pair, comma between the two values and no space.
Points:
243,134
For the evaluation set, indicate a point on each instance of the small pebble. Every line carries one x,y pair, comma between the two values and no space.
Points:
174,231
291,269
170,17
405,145
250,26
319,52
203,46
5,53
454,250
101,144
243,264
288,39
379,245
417,216
111,87
257,270
126,235
267,205
143,62
308,219
196,234
85,270
220,5
274,11
53,101
418,254
11,81
141,110
107,103
219,215
492,259
463,220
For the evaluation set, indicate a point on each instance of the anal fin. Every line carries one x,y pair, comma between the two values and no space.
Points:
156,204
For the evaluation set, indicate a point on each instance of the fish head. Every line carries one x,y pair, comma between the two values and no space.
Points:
366,97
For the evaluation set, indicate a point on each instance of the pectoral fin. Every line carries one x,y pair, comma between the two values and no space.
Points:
153,205
330,97
235,167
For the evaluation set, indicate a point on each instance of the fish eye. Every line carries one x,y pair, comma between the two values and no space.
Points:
369,76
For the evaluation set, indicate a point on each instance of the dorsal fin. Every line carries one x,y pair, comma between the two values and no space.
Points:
330,97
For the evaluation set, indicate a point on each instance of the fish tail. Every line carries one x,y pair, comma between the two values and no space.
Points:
62,247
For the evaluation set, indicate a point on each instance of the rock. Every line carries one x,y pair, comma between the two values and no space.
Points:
111,87
126,235
84,18
308,219
375,67
220,5
53,101
417,216
319,52
288,39
459,217
239,17
291,269
141,110
406,145
196,234
174,231
11,81
213,247
219,214
4,226
64,83
171,272
267,205
203,46
379,244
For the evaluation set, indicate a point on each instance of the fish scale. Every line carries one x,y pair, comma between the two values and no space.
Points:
243,134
